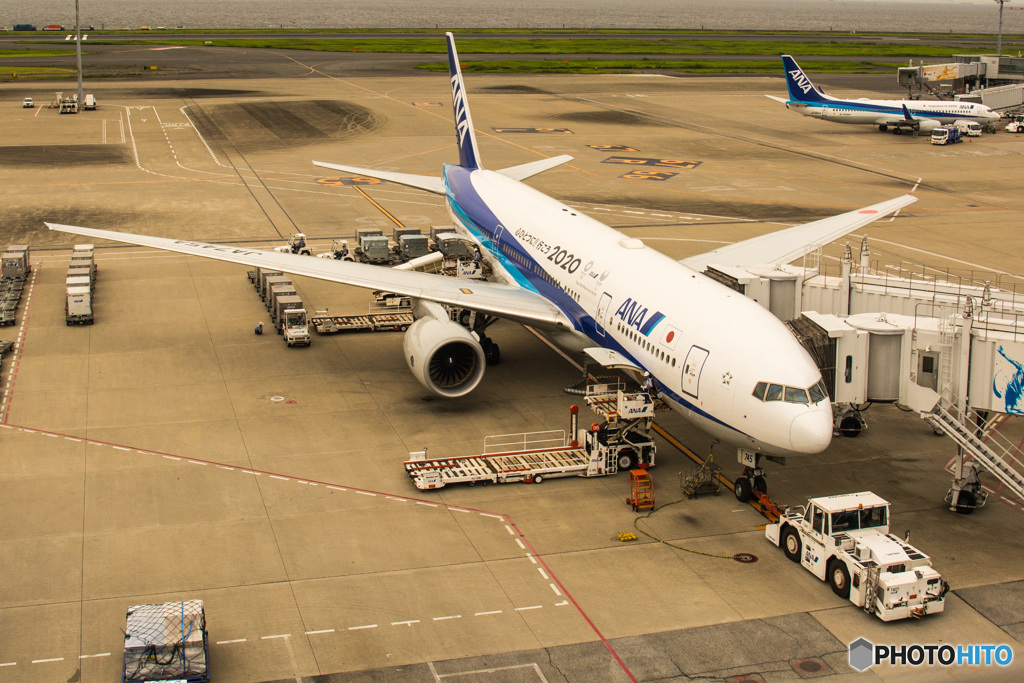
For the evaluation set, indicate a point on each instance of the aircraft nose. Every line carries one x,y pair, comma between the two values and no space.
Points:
811,432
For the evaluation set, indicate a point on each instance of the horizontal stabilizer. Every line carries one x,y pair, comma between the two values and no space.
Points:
524,171
422,182
777,99
784,246
610,359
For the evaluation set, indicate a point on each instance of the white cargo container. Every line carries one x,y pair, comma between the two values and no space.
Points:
78,308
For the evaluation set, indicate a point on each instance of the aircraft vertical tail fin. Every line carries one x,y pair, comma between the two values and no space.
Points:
800,87
469,156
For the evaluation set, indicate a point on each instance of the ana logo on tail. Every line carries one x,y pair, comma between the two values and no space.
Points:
801,81
459,100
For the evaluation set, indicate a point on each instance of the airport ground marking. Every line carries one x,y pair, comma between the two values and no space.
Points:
12,372
101,654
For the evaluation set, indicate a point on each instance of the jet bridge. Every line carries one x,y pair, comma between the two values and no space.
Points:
948,345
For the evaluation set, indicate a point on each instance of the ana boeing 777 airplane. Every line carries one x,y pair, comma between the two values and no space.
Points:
809,100
718,358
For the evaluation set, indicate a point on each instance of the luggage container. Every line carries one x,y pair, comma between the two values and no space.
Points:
167,642
78,307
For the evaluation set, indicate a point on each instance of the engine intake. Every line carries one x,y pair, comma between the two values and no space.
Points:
444,356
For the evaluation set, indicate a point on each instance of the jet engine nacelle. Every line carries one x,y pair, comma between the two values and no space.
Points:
444,356
928,125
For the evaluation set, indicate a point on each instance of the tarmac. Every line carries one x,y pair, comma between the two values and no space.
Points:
167,453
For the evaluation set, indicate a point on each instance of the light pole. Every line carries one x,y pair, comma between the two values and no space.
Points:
78,50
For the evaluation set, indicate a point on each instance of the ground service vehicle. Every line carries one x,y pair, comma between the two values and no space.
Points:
946,135
1015,127
971,129
27,103
296,245
845,540
339,251
89,101
294,327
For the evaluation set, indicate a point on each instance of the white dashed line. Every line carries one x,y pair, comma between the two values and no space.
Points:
171,457
254,473
196,462
454,616
484,614
532,558
336,488
366,493
405,623
484,514
222,467
8,664
520,543
121,448
102,654
429,505
562,604
360,628
523,609
71,438
52,436
326,630
509,530
458,510
44,661
400,500
229,642
274,476
543,573
279,635
555,588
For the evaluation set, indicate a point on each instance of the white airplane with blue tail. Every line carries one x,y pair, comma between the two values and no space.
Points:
805,98
718,358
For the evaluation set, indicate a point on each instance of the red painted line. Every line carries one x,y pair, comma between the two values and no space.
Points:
23,335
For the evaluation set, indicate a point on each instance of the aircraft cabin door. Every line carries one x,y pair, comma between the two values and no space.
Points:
692,367
602,312
498,232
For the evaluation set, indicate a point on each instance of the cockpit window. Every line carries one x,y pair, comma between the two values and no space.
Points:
795,395
759,390
774,393
817,392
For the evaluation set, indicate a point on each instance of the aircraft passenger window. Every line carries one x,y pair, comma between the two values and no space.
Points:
816,393
795,395
774,393
760,390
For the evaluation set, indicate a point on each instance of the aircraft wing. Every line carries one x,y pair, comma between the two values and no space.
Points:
504,301
787,245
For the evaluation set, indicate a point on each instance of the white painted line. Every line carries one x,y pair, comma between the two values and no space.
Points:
359,628
299,481
405,623
543,573
279,635
454,616
54,436
228,642
30,431
400,500
555,588
10,427
523,609
121,448
484,514
71,438
458,510
256,474
523,547
429,505
196,462
312,483
509,530
274,476
171,457
366,493
326,630
484,614
562,604
8,664
102,654
144,452
336,488
43,661
225,468
532,558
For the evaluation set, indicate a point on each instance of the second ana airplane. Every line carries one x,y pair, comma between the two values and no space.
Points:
718,358
805,98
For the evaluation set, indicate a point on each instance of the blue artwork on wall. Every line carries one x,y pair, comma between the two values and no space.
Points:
1008,382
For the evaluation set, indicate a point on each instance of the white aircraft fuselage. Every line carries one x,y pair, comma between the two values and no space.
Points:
706,345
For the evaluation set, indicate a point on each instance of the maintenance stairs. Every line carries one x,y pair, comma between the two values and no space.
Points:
995,453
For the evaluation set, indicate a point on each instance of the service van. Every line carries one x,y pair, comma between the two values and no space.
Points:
90,101
969,128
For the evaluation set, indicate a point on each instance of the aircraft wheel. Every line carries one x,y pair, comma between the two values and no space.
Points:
897,131
883,128
849,426
464,318
965,503
839,579
492,354
760,485
742,489
791,544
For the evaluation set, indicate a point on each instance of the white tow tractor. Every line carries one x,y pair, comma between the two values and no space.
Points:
296,245
339,251
845,540
294,327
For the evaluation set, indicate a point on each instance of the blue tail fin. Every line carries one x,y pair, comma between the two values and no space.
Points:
800,87
469,157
